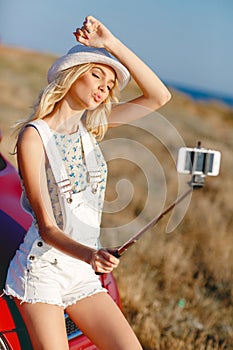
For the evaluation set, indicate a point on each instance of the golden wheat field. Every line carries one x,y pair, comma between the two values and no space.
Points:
176,288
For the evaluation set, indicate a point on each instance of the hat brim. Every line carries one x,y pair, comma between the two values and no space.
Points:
77,58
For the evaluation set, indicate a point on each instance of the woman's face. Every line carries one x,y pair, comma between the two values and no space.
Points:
92,88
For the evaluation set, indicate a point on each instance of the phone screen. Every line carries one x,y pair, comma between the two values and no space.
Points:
203,161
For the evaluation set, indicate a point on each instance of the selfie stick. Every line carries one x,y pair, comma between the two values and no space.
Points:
119,251
197,182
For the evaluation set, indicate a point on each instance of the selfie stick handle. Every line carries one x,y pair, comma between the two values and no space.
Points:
196,183
118,252
153,222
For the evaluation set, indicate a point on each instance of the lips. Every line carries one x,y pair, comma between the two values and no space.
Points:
97,97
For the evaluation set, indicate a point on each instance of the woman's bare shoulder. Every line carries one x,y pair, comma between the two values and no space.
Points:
29,136
29,146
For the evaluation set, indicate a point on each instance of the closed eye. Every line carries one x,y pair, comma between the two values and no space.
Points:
96,76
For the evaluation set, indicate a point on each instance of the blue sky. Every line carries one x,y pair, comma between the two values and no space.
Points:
189,42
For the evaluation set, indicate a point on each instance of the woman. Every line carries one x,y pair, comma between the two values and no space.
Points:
63,174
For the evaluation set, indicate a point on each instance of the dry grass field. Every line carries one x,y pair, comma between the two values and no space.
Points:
176,287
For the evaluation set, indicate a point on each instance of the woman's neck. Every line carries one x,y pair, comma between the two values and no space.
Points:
63,119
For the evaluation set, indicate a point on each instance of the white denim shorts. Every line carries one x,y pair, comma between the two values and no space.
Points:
49,276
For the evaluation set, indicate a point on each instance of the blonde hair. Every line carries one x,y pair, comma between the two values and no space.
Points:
96,120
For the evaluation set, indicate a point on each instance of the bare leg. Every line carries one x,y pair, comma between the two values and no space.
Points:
45,324
103,323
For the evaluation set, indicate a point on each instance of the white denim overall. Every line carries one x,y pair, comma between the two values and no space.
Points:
40,273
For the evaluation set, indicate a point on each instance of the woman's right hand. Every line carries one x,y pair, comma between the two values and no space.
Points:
93,33
103,262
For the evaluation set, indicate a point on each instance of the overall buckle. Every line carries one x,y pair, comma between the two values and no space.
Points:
65,189
94,178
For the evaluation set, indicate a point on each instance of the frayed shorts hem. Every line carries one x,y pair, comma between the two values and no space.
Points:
64,304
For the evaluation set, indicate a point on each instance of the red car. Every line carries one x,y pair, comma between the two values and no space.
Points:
13,225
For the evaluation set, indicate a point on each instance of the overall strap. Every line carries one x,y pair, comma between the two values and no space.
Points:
54,158
93,170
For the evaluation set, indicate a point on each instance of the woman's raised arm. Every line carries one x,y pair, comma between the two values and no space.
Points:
154,92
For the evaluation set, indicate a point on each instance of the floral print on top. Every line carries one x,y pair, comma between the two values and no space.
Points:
71,150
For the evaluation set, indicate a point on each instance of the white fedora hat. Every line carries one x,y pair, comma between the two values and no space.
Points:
80,54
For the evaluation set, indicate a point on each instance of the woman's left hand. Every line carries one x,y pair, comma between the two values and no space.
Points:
103,261
93,33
